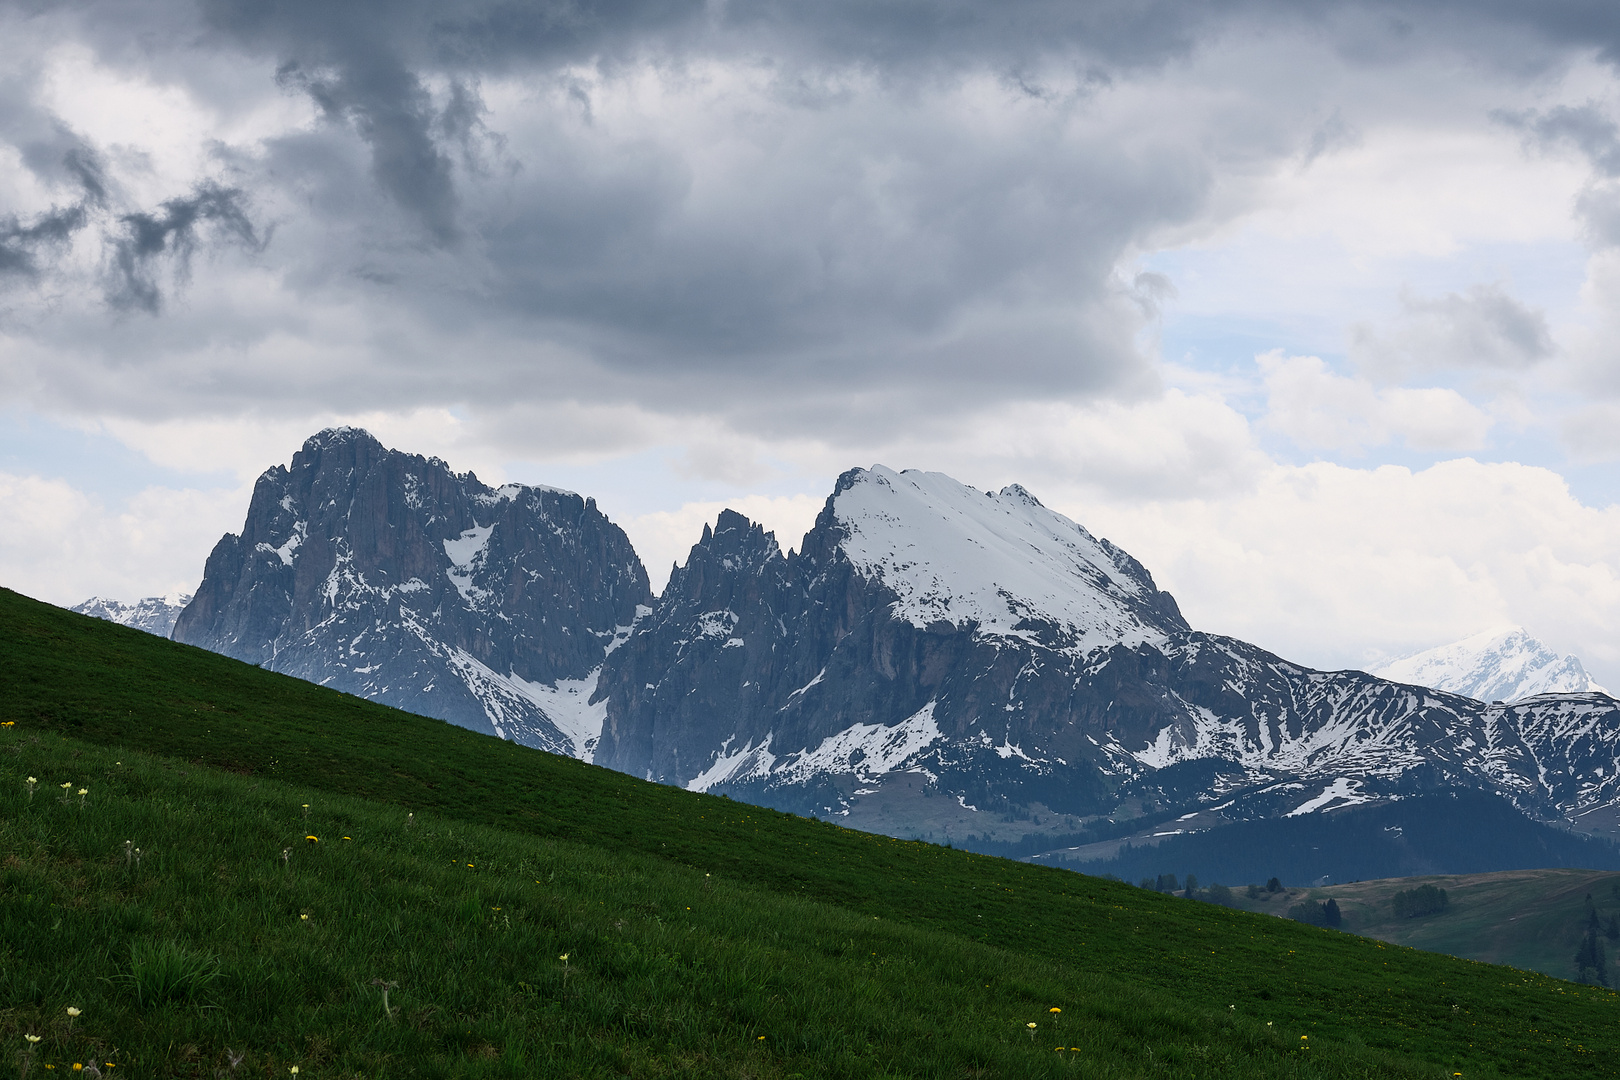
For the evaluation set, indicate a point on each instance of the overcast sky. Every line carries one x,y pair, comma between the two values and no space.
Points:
1312,307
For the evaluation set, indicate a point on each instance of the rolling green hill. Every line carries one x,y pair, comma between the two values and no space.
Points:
1531,919
704,937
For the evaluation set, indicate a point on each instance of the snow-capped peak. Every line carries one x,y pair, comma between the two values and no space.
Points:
1501,664
1000,559
154,614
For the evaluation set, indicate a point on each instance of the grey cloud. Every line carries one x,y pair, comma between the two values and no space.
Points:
895,267
1483,329
394,114
61,160
1334,133
1150,290
171,235
1599,207
1589,130
1585,127
20,244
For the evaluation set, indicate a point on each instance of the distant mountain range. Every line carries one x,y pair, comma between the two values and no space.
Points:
1505,664
932,661
155,614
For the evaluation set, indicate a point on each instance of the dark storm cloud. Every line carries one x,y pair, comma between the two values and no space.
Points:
394,114
148,241
871,237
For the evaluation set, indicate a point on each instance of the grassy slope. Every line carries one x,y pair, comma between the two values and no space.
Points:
111,687
1531,919
669,971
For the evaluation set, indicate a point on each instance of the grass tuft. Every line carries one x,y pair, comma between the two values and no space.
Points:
165,971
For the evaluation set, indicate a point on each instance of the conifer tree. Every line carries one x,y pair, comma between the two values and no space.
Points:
1591,962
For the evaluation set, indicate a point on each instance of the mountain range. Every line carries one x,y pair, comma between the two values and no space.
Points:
154,614
932,660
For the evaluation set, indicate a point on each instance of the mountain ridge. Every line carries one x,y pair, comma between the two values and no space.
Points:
930,661
153,614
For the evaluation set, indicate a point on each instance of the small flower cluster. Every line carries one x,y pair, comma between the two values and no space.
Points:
31,1043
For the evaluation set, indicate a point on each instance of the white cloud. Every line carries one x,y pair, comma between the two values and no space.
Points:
1320,410
1342,567
63,546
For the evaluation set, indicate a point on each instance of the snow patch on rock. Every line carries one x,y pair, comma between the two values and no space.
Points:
865,749
1341,793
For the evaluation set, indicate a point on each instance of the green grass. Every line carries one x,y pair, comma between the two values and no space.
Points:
1531,919
694,925
671,970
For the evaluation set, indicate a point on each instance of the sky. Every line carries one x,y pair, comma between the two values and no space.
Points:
1310,307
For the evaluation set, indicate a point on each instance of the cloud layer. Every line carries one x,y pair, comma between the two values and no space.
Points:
1220,272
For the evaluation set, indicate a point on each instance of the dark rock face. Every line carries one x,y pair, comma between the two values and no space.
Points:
388,576
804,680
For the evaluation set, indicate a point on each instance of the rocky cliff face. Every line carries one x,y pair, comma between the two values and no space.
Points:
980,651
893,641
388,576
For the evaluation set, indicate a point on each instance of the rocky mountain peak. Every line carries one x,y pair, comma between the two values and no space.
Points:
388,575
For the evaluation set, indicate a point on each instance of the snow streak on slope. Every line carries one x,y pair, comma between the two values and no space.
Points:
566,705
1003,560
867,750
1505,664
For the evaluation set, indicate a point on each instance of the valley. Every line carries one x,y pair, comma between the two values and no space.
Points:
1530,919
